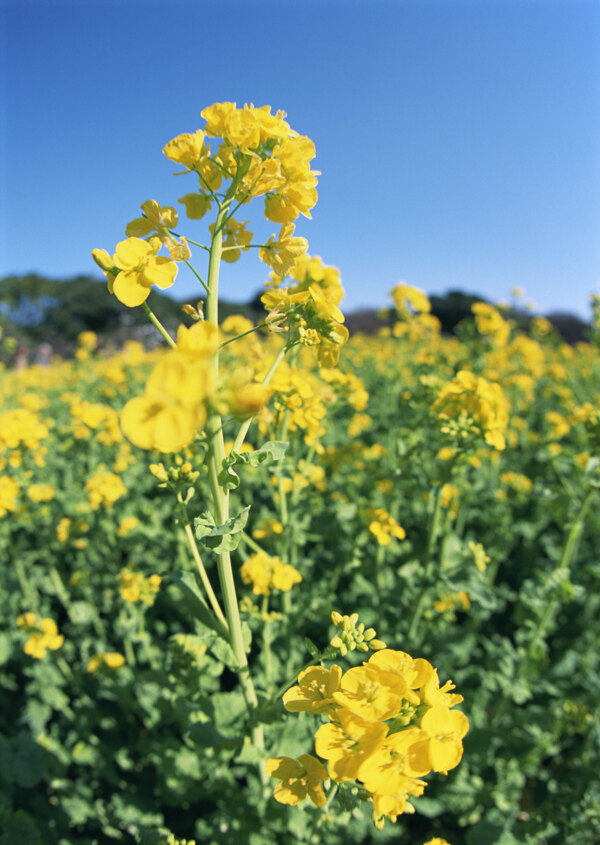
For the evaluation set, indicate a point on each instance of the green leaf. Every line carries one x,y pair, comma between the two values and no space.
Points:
194,599
19,828
27,761
221,538
272,450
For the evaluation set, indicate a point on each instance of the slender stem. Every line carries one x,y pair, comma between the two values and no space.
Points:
268,657
247,423
154,319
243,334
197,275
205,579
432,533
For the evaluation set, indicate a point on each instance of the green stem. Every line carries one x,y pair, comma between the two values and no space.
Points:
243,334
216,456
268,657
432,533
247,423
566,559
156,322
197,275
205,579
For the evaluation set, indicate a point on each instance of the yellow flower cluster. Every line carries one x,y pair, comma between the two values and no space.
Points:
21,428
106,660
104,488
453,601
410,300
172,410
43,635
309,308
94,416
471,404
390,724
127,524
384,526
40,492
9,493
135,587
267,573
491,323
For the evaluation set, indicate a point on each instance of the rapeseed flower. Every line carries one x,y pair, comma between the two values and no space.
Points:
43,635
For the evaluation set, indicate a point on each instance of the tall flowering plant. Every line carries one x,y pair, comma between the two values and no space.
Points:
196,410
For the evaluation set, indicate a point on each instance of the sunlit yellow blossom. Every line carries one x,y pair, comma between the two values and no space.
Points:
172,409
106,660
104,488
315,689
41,492
186,149
43,635
136,587
384,527
479,555
265,573
9,493
473,401
134,268
298,778
409,299
347,743
127,524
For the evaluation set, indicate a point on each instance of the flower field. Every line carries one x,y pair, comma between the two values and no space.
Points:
274,584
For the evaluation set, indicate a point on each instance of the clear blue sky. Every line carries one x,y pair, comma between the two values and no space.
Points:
459,142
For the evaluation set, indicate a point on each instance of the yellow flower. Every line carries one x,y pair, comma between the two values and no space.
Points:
106,660
172,411
127,524
186,149
104,488
9,492
372,693
265,573
298,778
134,268
315,689
384,527
282,253
41,492
347,743
43,635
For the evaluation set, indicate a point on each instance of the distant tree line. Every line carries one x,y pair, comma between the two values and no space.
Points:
35,310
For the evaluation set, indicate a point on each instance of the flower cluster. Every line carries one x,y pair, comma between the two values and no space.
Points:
390,724
9,493
491,323
384,526
470,404
43,635
309,309
104,488
105,660
267,573
352,635
135,587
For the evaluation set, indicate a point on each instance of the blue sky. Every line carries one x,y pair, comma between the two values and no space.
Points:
459,142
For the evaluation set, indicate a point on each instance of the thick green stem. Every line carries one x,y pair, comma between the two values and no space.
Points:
216,456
